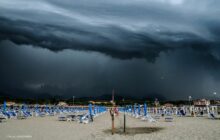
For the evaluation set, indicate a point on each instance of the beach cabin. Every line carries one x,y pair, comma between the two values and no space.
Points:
201,102
218,106
10,103
168,105
215,107
201,105
62,104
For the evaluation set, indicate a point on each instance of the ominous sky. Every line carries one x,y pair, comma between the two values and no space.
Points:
141,48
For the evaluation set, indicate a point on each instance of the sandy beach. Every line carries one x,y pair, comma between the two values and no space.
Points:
49,128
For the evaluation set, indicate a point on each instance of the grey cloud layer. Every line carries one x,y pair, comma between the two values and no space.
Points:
136,29
175,74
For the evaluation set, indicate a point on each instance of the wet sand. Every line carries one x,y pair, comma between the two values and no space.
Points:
49,128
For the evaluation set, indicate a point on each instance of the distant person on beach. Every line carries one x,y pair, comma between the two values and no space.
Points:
182,112
193,114
91,117
201,113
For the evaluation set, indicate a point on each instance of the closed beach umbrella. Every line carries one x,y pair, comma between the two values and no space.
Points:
135,109
139,110
4,106
94,109
90,109
22,107
145,109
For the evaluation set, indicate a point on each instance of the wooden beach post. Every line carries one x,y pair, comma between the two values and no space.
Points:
112,112
124,115
112,116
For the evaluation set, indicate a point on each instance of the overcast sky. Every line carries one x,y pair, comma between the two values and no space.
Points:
141,48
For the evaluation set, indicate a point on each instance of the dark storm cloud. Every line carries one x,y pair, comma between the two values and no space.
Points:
138,29
125,45
58,47
176,74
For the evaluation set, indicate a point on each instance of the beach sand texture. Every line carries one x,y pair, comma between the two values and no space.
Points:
49,128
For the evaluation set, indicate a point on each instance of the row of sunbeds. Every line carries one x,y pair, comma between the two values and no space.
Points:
84,117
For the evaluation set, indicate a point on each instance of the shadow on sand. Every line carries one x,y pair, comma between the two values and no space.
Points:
135,130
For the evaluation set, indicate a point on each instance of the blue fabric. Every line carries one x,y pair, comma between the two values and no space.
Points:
90,109
139,110
134,109
4,106
145,109
94,109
